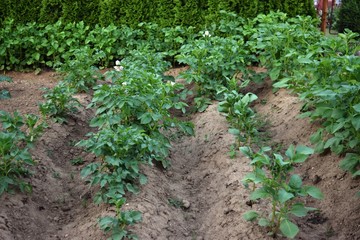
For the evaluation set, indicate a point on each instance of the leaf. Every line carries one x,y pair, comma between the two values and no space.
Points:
119,235
304,60
250,215
288,228
304,150
299,210
259,193
316,137
142,179
4,94
290,152
106,222
263,222
357,107
314,192
350,162
274,73
284,195
145,118
246,151
248,98
234,131
355,121
4,78
295,181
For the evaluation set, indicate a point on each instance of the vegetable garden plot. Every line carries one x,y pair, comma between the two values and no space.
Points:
202,174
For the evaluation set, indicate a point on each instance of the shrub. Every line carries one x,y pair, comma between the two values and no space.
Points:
349,16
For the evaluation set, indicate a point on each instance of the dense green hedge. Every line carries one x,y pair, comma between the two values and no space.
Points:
349,16
131,12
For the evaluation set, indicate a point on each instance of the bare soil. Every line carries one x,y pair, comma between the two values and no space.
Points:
199,197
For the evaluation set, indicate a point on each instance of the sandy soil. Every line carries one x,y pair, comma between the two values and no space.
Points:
199,197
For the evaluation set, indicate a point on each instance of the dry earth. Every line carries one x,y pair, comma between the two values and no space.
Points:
202,179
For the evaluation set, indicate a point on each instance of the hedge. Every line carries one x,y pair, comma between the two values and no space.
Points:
131,12
349,16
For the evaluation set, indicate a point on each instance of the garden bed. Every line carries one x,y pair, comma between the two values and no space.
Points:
200,196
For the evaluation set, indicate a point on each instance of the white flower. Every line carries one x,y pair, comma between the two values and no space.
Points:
206,34
117,63
119,68
124,83
171,83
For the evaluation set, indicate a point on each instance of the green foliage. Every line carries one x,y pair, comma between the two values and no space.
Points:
59,102
349,16
132,115
271,179
166,13
117,225
213,60
15,143
5,94
80,72
50,11
242,119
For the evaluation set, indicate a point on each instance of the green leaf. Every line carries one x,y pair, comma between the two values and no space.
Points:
304,150
299,210
248,98
142,179
145,118
288,228
4,94
234,131
316,137
284,195
295,181
259,193
290,152
357,107
250,215
350,162
119,235
274,73
314,192
246,151
355,121
304,60
263,222
4,78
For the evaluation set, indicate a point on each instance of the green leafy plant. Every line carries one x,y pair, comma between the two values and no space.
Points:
243,121
79,68
15,143
117,225
59,102
5,94
271,179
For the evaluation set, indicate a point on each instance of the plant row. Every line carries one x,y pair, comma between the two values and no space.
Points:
132,122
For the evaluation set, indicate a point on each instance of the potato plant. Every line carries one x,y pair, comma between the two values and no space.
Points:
59,102
272,179
15,144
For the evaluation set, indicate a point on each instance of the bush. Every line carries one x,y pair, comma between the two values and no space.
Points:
165,13
349,16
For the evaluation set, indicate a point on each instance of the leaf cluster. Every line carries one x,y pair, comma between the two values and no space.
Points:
17,136
272,179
